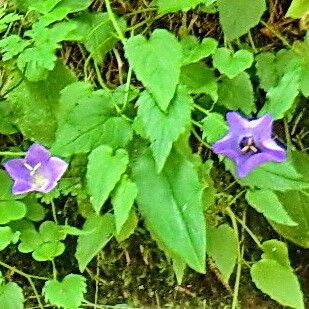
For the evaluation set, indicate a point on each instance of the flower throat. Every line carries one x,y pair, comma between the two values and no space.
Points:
247,145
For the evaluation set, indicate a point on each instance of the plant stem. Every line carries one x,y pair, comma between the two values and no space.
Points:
12,154
239,259
127,89
114,21
54,212
277,34
201,109
14,269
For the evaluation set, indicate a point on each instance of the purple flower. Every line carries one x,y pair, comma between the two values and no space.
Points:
249,143
38,171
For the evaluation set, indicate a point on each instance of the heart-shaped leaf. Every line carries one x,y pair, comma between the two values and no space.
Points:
68,294
232,64
156,63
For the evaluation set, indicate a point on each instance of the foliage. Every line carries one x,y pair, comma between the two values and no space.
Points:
134,106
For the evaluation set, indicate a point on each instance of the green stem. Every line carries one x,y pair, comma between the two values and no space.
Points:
201,109
54,212
114,21
16,270
277,34
36,293
199,139
239,259
127,89
12,154
55,273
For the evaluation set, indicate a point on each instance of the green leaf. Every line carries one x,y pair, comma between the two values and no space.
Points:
5,187
222,248
35,210
282,97
276,250
279,282
75,135
47,251
214,127
267,203
237,93
295,204
12,46
156,63
232,64
11,296
34,105
99,230
169,6
43,7
164,128
7,126
68,294
7,236
199,78
170,202
122,200
103,172
11,211
194,51
266,70
298,9
97,33
73,5
128,227
238,17
275,176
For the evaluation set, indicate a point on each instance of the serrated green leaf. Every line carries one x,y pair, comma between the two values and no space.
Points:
73,5
267,203
97,33
12,46
237,93
122,199
11,296
67,294
266,70
194,51
276,250
275,176
232,64
169,6
43,7
47,251
163,128
199,78
238,17
214,127
156,63
281,98
99,230
170,202
295,204
298,9
222,247
279,282
35,210
103,172
75,135
11,211
128,227
34,105
7,236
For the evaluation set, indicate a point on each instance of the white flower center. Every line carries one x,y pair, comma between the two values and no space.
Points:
38,180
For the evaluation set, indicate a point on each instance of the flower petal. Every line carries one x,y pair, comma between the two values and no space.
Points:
262,127
37,154
52,171
21,187
236,122
227,146
244,165
17,170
